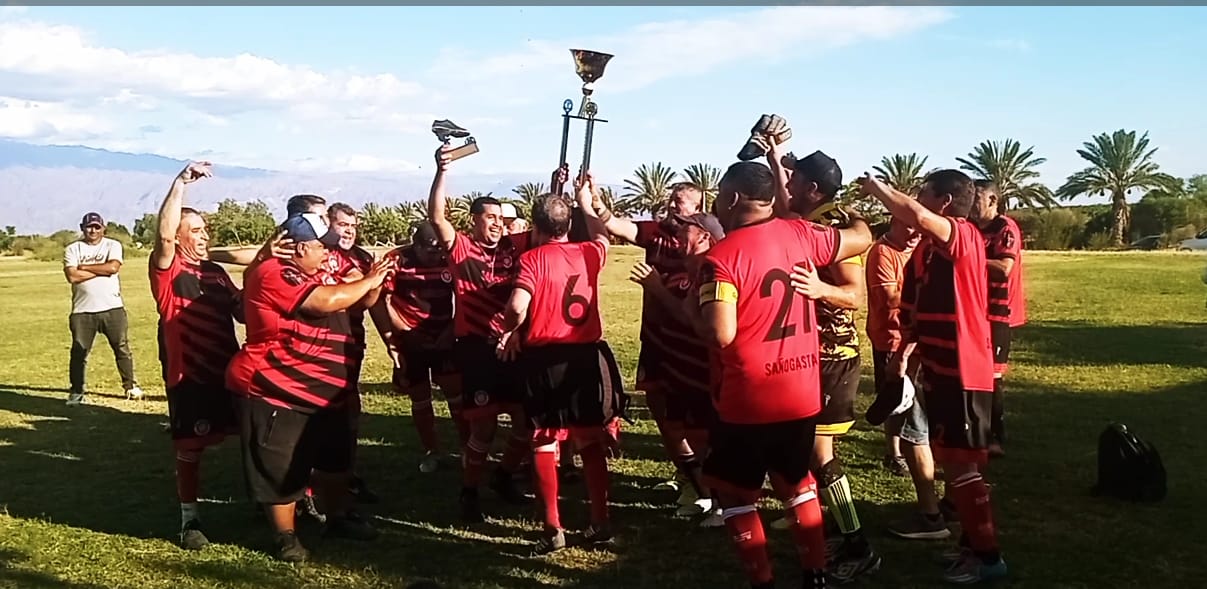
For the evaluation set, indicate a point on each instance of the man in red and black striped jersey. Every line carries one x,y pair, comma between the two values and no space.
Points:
573,388
663,253
197,303
484,266
945,300
294,377
415,319
1003,252
765,337
685,364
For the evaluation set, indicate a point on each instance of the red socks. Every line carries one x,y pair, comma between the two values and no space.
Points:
424,416
746,529
971,497
545,465
454,410
807,532
473,460
188,475
595,472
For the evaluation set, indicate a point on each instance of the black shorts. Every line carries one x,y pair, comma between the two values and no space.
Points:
649,378
423,366
839,386
1000,334
281,446
693,410
489,385
742,455
200,415
572,386
959,420
879,363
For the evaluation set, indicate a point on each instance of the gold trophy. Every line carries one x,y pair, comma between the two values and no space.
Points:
589,65
446,130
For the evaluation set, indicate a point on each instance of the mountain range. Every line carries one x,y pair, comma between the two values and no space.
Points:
45,188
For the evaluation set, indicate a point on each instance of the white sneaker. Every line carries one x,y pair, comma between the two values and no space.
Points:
700,505
713,519
75,399
135,394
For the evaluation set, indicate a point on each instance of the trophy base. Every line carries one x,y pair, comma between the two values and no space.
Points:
470,148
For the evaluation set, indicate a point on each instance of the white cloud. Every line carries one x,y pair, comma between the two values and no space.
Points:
33,120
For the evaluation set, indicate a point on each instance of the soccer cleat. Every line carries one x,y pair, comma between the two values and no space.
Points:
687,495
697,507
360,491
289,548
952,556
307,507
671,485
850,565
971,569
598,535
135,394
471,509
75,399
429,463
502,483
548,544
920,527
351,527
445,129
191,536
896,465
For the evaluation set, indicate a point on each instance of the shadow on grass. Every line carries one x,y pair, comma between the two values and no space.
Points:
10,576
1048,343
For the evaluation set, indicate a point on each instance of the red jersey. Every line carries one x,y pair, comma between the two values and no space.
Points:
197,306
769,373
291,359
421,296
685,361
1004,240
482,280
662,253
946,299
563,278
338,264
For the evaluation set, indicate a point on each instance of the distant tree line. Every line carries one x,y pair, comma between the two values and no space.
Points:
1119,164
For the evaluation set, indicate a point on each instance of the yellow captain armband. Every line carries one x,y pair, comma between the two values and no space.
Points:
717,291
857,260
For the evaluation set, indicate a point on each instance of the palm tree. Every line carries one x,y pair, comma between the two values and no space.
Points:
1119,163
707,177
647,191
1011,169
903,172
619,206
528,193
457,210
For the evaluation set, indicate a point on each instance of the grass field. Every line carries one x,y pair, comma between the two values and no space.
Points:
87,495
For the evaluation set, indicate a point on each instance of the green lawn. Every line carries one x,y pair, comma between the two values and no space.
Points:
87,495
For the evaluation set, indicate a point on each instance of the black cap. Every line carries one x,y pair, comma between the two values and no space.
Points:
425,235
92,219
822,169
704,221
310,227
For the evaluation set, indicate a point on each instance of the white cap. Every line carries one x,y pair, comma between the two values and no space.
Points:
907,396
509,211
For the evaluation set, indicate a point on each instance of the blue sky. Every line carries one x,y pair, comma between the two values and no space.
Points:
356,89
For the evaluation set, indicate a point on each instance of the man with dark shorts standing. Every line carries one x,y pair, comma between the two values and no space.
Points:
1007,308
946,297
573,388
484,265
769,393
415,318
293,381
197,303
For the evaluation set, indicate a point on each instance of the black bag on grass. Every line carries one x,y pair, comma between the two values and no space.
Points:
1129,468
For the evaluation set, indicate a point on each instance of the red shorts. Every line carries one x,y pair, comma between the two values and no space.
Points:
581,436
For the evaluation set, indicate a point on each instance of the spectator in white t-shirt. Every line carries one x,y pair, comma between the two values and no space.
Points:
91,265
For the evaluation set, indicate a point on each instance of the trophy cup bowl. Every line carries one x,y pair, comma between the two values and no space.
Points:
590,66
446,130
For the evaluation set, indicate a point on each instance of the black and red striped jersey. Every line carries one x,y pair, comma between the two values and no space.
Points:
483,277
422,296
198,305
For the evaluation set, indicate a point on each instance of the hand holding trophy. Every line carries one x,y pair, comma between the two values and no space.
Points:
446,130
769,130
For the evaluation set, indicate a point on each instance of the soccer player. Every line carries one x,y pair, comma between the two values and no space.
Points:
293,383
1007,308
197,303
415,319
764,334
484,265
812,188
663,253
946,295
689,410
573,387
91,266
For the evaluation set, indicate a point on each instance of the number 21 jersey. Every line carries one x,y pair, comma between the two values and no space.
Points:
769,373
563,278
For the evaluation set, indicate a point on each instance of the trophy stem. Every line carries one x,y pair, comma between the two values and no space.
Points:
556,188
587,141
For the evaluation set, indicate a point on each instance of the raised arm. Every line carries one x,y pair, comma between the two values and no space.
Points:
854,240
329,299
586,194
904,207
775,160
164,250
436,200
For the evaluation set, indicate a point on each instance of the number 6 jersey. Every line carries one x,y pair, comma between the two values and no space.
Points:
563,278
769,373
